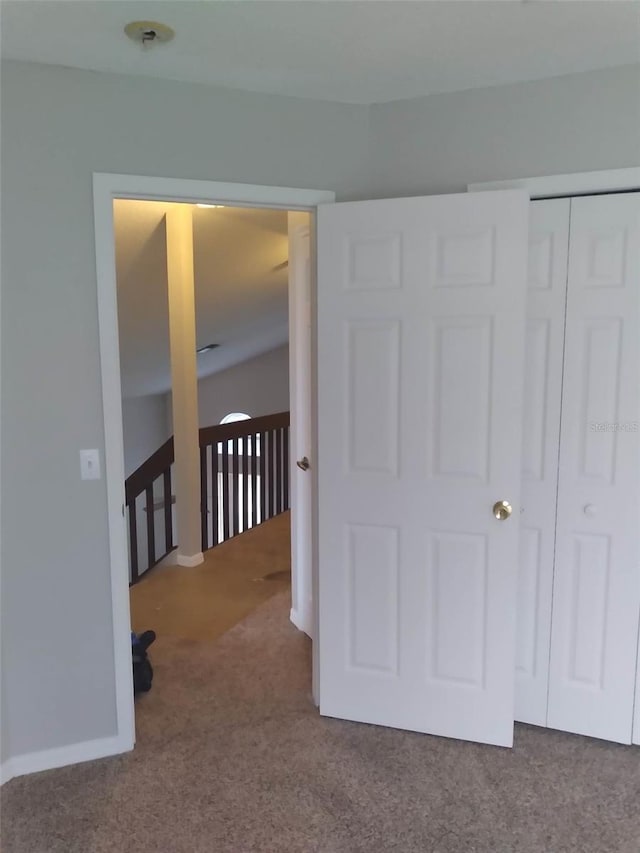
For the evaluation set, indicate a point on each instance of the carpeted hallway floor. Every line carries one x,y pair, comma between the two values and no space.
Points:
233,758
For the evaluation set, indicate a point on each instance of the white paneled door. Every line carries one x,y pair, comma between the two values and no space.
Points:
597,578
421,329
546,300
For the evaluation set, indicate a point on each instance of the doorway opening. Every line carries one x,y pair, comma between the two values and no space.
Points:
240,302
239,278
298,221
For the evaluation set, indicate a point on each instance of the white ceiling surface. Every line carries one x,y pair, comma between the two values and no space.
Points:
355,52
241,302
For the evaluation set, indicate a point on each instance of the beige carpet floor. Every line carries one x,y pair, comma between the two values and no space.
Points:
233,758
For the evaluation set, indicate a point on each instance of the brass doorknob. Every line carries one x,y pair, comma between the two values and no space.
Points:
303,463
502,510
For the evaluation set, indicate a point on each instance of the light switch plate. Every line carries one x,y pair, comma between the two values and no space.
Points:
90,464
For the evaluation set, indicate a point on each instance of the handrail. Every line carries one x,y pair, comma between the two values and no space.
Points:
240,429
150,470
142,481
244,475
243,483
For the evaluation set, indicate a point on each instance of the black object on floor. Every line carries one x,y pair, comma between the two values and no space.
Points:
142,669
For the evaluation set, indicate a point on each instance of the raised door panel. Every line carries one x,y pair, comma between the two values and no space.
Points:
597,574
461,382
372,562
601,350
535,437
528,658
587,624
373,370
457,590
546,299
373,261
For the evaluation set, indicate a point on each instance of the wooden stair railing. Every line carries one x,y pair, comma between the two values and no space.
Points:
142,481
244,480
244,475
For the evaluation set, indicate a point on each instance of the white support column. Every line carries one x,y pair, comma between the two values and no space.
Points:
184,378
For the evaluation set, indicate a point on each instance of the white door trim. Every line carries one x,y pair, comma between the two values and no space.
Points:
106,188
300,370
635,731
578,183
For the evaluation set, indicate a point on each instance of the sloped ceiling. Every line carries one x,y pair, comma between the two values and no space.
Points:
241,298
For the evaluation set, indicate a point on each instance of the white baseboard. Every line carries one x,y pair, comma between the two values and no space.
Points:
190,562
75,753
301,623
6,771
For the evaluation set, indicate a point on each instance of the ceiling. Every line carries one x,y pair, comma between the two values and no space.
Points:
241,301
359,52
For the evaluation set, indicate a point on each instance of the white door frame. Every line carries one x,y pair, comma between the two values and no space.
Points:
300,390
575,184
107,188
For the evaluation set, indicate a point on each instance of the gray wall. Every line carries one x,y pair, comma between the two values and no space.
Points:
59,126
577,123
144,427
259,386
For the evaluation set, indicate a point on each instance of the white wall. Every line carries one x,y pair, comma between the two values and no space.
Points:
258,386
59,126
577,123
145,428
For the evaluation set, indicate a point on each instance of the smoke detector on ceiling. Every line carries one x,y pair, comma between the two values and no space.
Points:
148,33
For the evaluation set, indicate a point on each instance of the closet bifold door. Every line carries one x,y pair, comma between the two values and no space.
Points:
546,299
596,596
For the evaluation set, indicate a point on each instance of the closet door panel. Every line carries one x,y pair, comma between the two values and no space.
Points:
546,298
596,597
